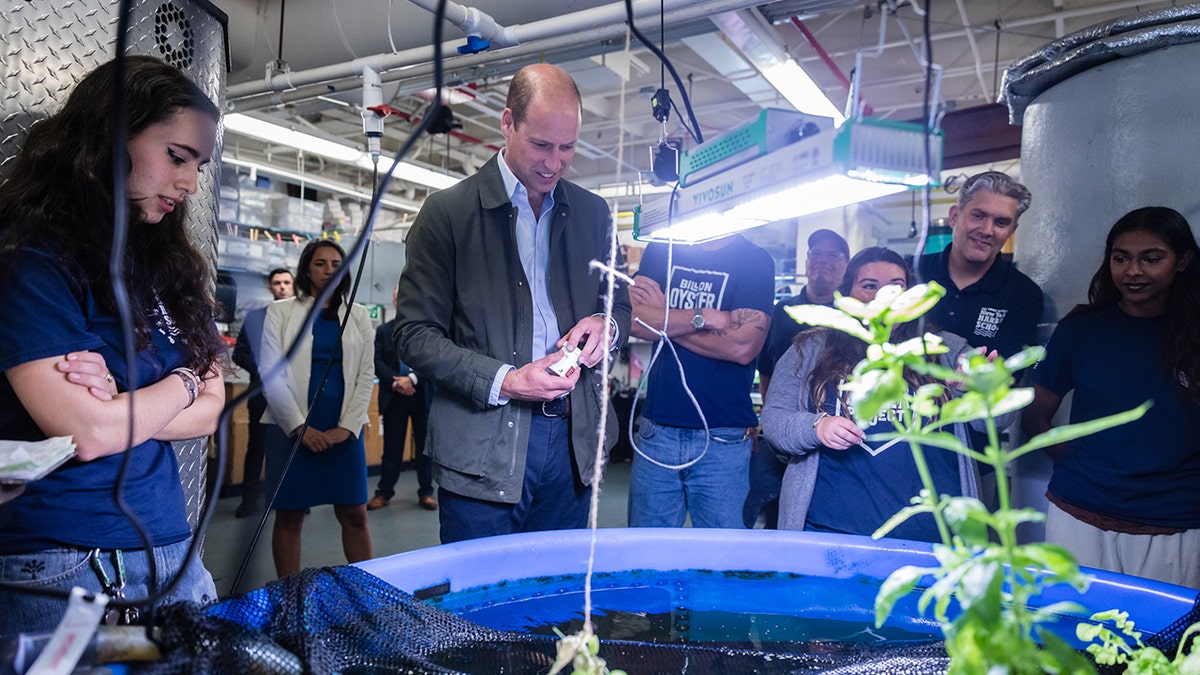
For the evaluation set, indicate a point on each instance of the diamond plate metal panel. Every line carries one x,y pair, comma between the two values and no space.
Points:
47,46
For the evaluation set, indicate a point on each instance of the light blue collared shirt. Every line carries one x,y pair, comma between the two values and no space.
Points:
533,246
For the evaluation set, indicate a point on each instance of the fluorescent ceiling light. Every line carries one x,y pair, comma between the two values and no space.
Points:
864,160
334,149
799,89
282,135
322,183
757,41
413,172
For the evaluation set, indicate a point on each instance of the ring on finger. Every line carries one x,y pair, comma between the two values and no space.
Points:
108,375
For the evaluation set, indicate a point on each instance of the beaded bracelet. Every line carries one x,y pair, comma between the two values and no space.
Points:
190,381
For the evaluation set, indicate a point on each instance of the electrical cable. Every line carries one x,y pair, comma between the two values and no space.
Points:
358,250
156,594
687,101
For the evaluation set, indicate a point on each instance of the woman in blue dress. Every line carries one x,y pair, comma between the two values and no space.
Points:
329,465
1127,499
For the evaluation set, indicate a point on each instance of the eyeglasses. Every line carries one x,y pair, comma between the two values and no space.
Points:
827,256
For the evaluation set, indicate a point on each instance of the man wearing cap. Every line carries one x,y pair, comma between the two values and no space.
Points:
988,302
824,266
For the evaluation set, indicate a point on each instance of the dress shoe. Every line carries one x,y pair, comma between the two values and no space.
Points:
377,502
245,510
428,503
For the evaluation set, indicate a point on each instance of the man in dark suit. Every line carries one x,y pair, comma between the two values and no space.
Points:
403,396
249,341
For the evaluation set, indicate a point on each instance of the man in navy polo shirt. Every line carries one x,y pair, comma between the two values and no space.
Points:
988,302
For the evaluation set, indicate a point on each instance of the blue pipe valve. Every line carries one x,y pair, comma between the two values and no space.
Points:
475,44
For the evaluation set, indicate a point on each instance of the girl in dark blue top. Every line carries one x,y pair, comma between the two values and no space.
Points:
1128,499
63,357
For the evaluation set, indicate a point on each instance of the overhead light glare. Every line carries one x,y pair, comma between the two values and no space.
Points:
414,173
282,135
799,89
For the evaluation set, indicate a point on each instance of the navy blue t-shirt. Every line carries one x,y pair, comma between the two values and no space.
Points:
1001,311
783,332
47,313
739,275
860,488
1147,471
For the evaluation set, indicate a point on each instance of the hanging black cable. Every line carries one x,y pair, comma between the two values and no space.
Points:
359,249
687,102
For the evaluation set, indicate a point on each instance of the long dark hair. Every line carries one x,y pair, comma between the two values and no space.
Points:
1181,339
58,194
304,285
843,351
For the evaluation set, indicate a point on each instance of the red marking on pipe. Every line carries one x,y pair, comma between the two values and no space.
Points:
837,72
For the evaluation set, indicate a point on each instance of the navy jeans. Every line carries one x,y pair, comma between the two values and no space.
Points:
552,497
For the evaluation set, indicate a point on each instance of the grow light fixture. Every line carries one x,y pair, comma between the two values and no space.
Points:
757,179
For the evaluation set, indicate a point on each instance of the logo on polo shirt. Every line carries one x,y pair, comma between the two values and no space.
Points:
988,322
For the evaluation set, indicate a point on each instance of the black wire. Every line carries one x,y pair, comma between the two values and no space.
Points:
359,249
926,190
687,101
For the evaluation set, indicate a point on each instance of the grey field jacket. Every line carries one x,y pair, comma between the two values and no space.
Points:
465,309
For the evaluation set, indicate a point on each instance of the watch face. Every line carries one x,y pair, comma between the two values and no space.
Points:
698,320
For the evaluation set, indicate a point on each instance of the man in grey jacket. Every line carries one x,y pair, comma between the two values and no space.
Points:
496,286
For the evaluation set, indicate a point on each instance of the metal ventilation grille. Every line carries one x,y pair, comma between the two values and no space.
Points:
173,36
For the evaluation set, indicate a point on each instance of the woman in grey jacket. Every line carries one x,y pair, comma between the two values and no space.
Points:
837,480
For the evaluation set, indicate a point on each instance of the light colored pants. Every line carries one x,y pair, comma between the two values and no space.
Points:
712,490
1173,558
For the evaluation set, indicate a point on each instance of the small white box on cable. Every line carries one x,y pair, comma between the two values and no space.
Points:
565,366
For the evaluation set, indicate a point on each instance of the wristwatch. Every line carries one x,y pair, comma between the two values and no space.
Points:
698,319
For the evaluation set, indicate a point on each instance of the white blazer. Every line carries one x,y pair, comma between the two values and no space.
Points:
286,390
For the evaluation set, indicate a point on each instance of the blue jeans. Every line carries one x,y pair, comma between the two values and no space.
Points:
552,497
712,490
65,568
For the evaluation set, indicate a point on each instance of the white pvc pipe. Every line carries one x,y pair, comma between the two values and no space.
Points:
583,25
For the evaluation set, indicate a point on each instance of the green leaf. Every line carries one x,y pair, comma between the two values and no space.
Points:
970,406
915,301
897,585
1024,358
820,315
1070,432
1013,401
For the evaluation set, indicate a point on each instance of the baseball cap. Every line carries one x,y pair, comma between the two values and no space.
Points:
829,236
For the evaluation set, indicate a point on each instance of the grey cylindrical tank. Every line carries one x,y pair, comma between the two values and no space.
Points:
47,46
1110,118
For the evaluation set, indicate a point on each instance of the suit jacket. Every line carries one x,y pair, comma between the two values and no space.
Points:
465,310
388,365
245,350
287,392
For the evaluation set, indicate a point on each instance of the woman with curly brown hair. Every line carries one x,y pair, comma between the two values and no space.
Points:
62,350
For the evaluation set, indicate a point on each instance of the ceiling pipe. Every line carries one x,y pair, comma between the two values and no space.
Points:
599,23
827,59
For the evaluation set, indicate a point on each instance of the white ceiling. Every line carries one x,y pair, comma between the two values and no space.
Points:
972,42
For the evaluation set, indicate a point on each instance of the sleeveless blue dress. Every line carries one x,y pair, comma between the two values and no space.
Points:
338,475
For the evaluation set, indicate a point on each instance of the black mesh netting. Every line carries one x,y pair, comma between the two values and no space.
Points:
344,620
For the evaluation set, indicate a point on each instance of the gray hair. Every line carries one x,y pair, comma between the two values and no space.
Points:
998,182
